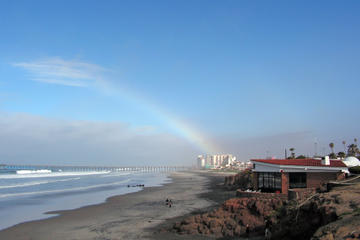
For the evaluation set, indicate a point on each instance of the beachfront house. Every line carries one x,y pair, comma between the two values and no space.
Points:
284,175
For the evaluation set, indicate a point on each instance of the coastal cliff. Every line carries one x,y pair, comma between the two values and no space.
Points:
231,218
323,216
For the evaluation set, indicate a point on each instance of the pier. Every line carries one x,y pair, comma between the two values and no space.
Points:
54,168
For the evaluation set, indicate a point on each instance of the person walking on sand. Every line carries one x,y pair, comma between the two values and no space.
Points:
247,231
267,234
170,203
267,229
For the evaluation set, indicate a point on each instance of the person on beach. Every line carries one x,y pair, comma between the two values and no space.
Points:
267,234
267,229
170,203
167,201
247,231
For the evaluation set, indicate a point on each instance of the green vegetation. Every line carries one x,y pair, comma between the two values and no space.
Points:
353,150
292,153
331,145
355,170
341,155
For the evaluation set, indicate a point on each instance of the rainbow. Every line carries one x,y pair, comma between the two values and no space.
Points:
189,133
178,126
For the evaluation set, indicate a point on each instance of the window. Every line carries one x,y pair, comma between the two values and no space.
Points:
297,180
269,181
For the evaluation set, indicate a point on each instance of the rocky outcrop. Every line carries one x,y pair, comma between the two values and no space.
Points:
345,228
242,180
326,215
332,215
231,218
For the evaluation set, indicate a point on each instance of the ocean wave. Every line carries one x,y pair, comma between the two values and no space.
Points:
116,174
78,189
38,183
39,171
52,174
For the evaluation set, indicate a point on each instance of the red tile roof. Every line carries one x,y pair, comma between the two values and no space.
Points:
301,162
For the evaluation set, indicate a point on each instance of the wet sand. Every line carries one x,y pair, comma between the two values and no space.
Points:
140,215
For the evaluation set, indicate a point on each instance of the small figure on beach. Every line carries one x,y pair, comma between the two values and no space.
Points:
170,203
267,234
167,201
247,231
268,224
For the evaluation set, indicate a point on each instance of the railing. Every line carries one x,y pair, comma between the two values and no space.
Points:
95,168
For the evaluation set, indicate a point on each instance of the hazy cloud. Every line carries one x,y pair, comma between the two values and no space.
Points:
33,139
270,146
63,72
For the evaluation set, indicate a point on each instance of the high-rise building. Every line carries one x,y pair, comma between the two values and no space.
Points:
215,160
201,161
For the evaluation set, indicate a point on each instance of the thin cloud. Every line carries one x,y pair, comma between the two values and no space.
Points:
63,72
61,82
26,138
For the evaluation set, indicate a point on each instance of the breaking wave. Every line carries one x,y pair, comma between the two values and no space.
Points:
77,189
48,174
38,183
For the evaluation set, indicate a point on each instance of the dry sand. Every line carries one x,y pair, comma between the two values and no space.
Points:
133,216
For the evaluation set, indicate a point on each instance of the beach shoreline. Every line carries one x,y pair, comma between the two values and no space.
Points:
138,215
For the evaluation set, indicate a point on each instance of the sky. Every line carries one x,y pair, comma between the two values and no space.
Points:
158,82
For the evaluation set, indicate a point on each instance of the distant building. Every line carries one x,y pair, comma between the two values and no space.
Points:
241,165
201,161
215,160
351,161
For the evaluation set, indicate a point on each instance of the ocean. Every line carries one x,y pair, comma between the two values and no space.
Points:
27,194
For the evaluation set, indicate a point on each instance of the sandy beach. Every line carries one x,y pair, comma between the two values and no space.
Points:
139,215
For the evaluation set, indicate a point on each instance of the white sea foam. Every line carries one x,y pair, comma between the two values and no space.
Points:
39,171
38,183
64,190
51,174
116,174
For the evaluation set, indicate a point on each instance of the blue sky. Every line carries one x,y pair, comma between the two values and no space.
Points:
231,71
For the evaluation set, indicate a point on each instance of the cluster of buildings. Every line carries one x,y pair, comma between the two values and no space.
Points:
287,177
219,161
215,160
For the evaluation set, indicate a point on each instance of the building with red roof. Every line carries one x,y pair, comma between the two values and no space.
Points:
280,175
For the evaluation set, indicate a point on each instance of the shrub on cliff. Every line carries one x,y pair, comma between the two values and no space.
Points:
231,218
355,170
